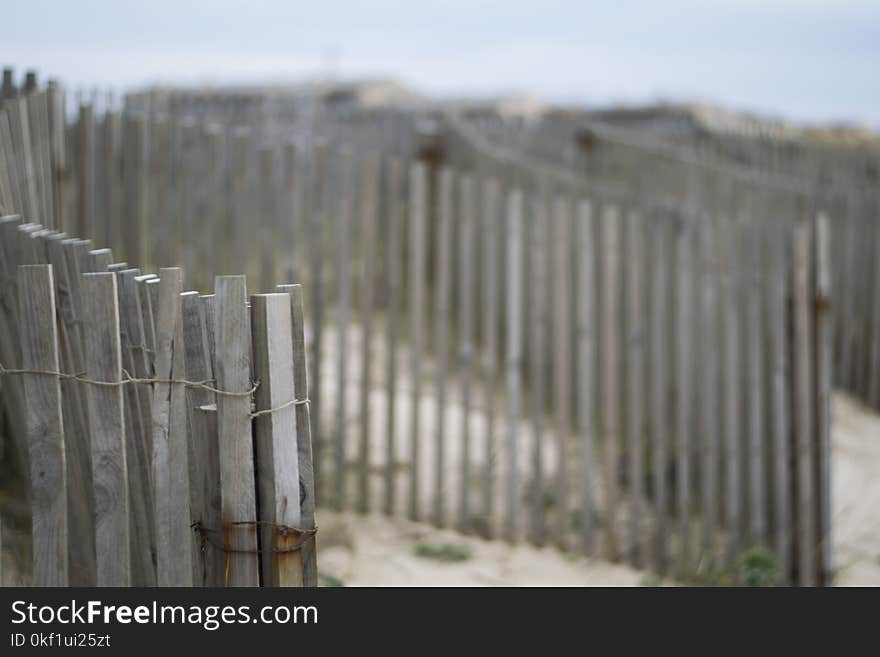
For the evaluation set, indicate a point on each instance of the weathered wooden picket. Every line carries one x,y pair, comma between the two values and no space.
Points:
494,345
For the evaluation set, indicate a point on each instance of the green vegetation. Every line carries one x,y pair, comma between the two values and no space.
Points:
329,581
449,552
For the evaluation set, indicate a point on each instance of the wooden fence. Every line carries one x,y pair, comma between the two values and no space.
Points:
505,354
166,433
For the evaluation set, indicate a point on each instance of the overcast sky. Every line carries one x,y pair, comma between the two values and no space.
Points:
809,60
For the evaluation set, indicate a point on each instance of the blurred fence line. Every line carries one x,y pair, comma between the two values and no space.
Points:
631,362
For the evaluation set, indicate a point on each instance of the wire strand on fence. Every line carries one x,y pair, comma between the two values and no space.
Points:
127,378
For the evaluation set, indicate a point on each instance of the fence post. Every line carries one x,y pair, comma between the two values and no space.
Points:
490,301
561,299
103,358
203,456
804,402
80,498
732,404
417,274
170,463
709,380
345,208
395,284
303,433
777,326
586,345
237,492
44,425
442,320
315,238
538,292
466,345
610,351
660,382
368,218
276,440
514,356
824,376
756,388
635,367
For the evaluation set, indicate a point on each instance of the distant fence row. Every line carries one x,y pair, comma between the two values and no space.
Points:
506,356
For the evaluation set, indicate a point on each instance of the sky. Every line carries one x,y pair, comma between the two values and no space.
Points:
803,60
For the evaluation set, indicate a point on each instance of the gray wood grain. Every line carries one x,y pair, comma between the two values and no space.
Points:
303,433
417,280
538,295
635,399
368,241
659,382
514,360
203,455
170,458
780,395
610,391
103,357
586,364
824,375
804,404
442,322
394,269
275,438
237,488
44,425
490,302
466,343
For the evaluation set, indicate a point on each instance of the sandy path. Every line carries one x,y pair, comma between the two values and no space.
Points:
855,493
376,551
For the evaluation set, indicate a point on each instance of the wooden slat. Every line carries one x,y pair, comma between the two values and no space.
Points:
394,269
237,491
203,456
344,225
417,279
442,321
514,360
317,220
804,403
561,300
303,433
731,397
538,294
635,401
275,439
659,382
755,275
466,343
489,302
586,355
709,381
368,239
44,425
103,358
138,444
777,329
610,390
824,374
80,496
170,459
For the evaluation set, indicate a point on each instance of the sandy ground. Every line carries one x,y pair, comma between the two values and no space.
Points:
855,493
376,551
389,556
